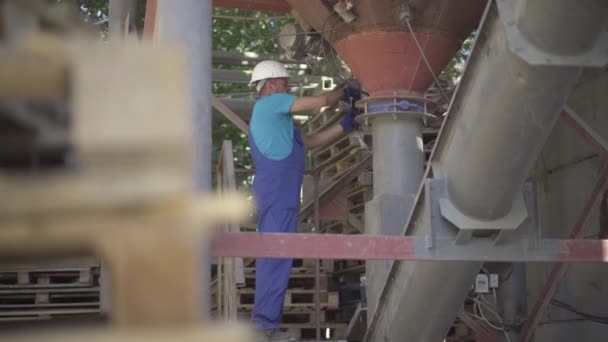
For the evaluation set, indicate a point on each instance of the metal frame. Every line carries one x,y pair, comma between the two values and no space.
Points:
403,248
569,117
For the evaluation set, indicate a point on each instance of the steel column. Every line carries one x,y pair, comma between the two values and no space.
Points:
121,17
398,156
569,117
398,161
558,272
188,22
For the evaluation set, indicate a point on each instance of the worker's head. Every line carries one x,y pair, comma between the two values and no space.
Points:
270,77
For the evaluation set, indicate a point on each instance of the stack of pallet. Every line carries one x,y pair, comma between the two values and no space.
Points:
34,292
299,313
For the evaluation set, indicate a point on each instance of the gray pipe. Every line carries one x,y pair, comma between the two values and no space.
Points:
522,106
398,156
499,120
398,161
117,13
188,23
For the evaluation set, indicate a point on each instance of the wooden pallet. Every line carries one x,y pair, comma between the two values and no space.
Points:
323,120
48,278
295,299
306,332
334,171
309,264
45,314
364,179
304,280
38,297
336,151
300,316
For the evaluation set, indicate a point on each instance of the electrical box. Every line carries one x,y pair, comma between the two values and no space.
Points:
494,280
482,284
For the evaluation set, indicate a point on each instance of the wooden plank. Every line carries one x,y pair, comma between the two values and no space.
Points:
139,128
144,103
184,333
229,114
6,315
58,290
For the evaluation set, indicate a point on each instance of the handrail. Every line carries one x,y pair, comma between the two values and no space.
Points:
230,271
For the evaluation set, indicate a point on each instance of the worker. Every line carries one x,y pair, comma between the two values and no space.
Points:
277,149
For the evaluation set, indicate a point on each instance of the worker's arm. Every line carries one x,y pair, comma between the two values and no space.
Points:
305,103
323,137
346,125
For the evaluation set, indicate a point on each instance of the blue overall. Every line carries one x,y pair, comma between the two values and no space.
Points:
276,191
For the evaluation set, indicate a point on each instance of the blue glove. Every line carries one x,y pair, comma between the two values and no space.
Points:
349,93
348,122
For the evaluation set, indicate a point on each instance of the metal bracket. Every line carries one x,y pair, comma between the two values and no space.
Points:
445,215
521,46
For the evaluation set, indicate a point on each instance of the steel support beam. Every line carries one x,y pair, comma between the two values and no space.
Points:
484,153
559,270
250,58
121,18
243,77
569,117
403,248
188,23
229,114
279,6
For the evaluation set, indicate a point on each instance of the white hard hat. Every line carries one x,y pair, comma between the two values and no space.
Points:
268,69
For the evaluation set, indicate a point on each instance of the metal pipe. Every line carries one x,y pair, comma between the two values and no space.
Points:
522,104
499,120
398,156
512,298
398,161
121,17
317,223
188,22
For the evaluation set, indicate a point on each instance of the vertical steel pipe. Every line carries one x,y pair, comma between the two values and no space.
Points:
398,156
188,23
398,161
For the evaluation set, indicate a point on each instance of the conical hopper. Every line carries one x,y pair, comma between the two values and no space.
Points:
378,46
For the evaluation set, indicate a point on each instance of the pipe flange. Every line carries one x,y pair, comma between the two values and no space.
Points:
365,119
427,103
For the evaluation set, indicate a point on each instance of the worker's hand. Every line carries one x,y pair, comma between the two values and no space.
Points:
348,122
351,91
353,83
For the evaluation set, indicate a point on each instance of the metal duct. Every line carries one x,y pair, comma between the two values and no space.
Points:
499,120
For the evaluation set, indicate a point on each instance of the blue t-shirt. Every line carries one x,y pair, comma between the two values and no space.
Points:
272,125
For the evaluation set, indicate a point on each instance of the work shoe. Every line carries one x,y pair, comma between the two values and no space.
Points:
275,335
